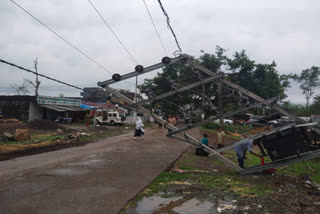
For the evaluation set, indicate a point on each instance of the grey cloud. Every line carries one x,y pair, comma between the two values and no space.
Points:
285,31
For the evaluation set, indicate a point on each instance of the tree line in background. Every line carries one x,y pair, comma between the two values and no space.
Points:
261,79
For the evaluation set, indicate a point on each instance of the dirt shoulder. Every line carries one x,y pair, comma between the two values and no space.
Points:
46,136
205,185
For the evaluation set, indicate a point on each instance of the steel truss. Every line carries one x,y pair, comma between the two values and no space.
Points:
189,139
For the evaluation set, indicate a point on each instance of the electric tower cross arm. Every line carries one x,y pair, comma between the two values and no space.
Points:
210,79
140,70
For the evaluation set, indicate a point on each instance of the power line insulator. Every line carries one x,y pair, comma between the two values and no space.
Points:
116,77
166,60
139,68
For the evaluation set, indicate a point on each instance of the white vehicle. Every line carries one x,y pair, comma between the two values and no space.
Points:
112,118
273,123
225,121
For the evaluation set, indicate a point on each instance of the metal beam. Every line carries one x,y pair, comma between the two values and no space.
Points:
181,89
244,91
173,128
145,70
282,162
227,147
215,118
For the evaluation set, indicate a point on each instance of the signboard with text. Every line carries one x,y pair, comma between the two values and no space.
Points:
44,100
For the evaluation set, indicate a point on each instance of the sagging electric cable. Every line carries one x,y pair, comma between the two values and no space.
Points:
62,38
114,34
155,28
169,26
41,75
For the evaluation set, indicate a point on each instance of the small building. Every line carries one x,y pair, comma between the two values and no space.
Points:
28,108
50,108
21,107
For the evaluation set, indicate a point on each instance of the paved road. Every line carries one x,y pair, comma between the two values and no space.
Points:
97,178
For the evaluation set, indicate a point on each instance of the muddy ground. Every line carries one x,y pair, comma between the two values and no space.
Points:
198,184
49,136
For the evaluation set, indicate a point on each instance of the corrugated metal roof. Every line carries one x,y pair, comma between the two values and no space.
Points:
63,108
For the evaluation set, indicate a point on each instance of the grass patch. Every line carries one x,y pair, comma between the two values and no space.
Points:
187,162
215,132
240,129
165,179
309,168
33,139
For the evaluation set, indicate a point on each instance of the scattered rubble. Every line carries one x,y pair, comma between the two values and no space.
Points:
22,134
44,124
8,127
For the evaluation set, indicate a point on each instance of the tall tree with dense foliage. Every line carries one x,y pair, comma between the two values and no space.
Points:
309,80
261,79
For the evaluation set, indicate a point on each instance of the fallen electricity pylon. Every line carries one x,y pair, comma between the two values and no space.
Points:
284,145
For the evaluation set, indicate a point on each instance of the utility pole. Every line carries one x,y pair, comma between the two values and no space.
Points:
135,100
203,97
37,84
220,105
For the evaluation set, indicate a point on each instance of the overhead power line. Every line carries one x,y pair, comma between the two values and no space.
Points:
58,35
168,24
155,28
41,75
115,35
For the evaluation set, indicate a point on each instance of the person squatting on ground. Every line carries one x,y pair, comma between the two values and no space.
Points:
139,132
242,149
172,121
204,140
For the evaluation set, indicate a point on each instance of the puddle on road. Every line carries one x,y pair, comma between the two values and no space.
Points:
194,206
67,172
124,148
157,205
91,162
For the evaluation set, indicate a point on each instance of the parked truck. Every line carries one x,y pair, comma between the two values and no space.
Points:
112,118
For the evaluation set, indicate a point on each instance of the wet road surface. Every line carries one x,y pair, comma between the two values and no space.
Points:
97,178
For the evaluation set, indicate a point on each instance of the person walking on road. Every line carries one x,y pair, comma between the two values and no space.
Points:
139,132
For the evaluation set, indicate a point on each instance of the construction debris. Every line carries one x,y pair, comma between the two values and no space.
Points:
9,136
22,134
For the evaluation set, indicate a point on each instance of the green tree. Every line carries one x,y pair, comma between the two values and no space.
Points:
309,80
261,79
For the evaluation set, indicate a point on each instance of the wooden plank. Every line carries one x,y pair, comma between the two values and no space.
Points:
173,128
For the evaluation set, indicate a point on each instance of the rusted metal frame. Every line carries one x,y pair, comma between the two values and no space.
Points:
282,162
217,117
179,90
145,70
244,91
230,146
173,128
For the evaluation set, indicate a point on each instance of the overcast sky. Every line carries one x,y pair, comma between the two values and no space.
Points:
286,31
